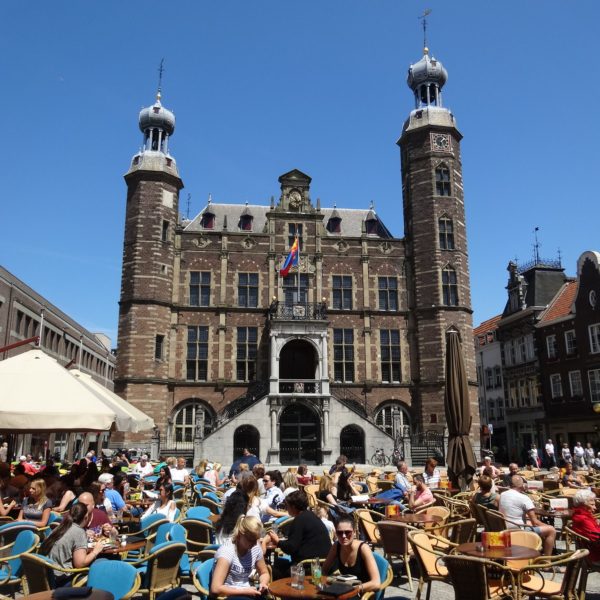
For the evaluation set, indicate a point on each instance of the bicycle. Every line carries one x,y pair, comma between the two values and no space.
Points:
379,459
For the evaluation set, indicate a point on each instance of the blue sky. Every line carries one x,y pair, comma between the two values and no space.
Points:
259,88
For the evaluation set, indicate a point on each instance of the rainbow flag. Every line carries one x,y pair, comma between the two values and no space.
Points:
292,259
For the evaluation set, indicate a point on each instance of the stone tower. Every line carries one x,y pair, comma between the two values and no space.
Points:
149,252
436,244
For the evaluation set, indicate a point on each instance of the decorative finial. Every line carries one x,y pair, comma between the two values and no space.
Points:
559,257
161,70
189,198
536,246
246,202
334,204
372,205
423,18
272,201
209,198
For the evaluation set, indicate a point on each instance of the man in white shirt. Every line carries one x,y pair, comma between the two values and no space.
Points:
579,453
273,497
180,474
143,468
550,456
487,463
401,480
517,507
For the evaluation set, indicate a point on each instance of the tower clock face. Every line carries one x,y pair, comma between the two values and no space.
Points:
295,199
440,142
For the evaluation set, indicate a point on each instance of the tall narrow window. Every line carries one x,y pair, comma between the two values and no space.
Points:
571,342
446,232
197,353
342,291
442,181
449,287
390,355
200,288
164,236
343,355
290,289
575,384
159,344
594,338
295,229
248,290
594,377
556,385
246,353
552,346
388,293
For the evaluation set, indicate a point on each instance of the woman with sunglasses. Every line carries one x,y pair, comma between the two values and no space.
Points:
352,557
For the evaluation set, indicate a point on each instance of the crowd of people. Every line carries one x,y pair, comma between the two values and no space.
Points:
580,457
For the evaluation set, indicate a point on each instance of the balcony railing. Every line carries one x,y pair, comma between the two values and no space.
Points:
300,311
299,386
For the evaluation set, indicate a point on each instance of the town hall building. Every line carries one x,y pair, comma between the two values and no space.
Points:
345,354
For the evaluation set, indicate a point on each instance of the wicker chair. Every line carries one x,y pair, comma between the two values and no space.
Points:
38,572
445,538
529,539
199,535
581,543
367,522
495,520
478,578
538,580
459,509
430,566
394,540
11,565
436,511
311,491
373,485
162,568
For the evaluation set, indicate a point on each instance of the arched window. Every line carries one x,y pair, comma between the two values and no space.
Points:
442,181
449,287
446,233
246,436
352,443
184,421
394,419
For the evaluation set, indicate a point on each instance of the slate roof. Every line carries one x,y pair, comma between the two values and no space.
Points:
350,226
561,304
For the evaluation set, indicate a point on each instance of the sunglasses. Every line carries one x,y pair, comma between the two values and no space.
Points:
344,533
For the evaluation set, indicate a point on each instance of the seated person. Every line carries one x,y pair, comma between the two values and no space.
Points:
420,495
116,500
487,464
431,474
273,498
571,479
303,475
67,545
235,561
584,522
143,468
518,508
36,507
485,496
327,491
307,535
352,557
164,505
98,517
513,469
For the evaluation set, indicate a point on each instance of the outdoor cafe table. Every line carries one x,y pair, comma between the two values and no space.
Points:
514,552
282,588
415,518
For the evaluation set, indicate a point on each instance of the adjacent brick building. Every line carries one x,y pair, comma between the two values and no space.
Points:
345,354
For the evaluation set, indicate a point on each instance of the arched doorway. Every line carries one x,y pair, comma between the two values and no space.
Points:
298,364
246,436
299,436
352,443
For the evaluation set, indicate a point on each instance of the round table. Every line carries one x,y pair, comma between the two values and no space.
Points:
415,518
282,588
556,513
513,552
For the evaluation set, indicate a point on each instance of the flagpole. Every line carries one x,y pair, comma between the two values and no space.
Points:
298,273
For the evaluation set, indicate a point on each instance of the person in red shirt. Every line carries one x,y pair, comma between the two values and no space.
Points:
584,522
29,468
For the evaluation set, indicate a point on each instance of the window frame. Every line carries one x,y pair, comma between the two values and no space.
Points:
251,283
341,292
594,386
159,347
449,286
387,295
246,360
198,359
556,389
552,346
571,342
200,289
390,355
443,181
445,233
345,365
594,336
575,394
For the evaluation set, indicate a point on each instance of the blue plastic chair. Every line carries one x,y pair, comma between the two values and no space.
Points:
202,575
178,533
119,578
199,513
12,565
386,575
10,531
212,496
162,533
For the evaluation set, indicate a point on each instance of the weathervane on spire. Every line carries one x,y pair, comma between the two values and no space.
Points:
536,246
423,18
161,70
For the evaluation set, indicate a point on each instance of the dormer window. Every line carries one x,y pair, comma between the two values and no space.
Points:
246,222
334,225
372,226
208,221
